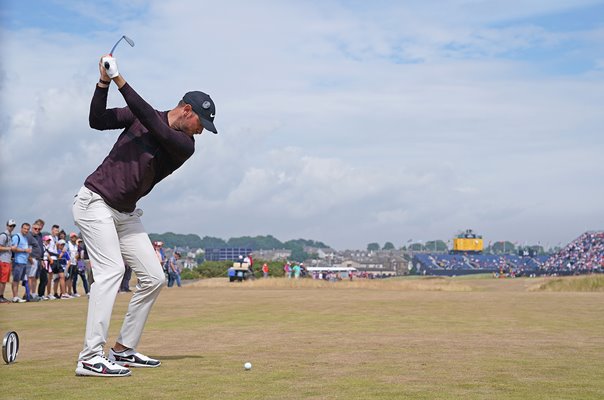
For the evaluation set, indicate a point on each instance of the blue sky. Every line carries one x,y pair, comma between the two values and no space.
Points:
345,122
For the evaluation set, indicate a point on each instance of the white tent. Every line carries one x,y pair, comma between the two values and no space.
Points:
330,269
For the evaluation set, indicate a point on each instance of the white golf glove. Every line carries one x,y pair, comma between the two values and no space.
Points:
110,64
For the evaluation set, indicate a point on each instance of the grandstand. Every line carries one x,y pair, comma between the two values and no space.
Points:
583,255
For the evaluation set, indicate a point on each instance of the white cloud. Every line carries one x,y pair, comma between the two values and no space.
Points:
338,123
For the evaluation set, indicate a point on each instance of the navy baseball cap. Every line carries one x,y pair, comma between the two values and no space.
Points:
204,107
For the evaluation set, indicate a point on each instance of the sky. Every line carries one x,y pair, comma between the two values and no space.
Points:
346,122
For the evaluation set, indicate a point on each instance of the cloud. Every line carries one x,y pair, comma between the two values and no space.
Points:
338,121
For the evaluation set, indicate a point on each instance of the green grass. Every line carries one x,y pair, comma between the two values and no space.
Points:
475,339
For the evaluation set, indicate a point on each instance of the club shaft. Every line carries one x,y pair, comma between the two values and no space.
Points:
115,45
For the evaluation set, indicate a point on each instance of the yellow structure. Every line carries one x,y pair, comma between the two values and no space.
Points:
468,242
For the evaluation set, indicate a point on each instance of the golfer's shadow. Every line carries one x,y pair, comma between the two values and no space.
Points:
178,357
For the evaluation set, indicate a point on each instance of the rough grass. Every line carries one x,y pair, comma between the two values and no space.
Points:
589,283
426,284
476,339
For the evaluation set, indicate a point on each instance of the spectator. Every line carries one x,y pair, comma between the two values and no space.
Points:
265,270
6,257
296,271
83,254
250,265
125,285
287,270
52,252
34,239
174,270
159,252
22,251
71,278
47,263
80,269
59,270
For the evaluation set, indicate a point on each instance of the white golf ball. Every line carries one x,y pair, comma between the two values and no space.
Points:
247,365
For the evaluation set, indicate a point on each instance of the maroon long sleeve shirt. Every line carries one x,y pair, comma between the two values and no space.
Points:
146,151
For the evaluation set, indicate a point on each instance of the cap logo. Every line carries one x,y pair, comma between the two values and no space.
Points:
205,105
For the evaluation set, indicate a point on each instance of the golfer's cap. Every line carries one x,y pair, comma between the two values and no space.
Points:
72,234
204,107
61,242
11,222
46,238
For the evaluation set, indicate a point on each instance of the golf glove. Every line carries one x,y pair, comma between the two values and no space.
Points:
110,64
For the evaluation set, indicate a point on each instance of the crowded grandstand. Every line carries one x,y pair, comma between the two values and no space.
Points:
583,255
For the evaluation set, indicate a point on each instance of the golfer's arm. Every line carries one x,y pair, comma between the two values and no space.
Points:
101,118
119,81
178,144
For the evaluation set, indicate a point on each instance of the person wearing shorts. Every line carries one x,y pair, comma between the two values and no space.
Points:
6,255
21,264
58,270
34,238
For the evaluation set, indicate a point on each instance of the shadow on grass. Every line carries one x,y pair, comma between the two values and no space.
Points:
177,357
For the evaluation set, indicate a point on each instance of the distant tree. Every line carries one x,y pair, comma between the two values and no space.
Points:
436,245
303,242
373,246
537,249
171,239
503,247
298,254
388,246
416,247
243,241
209,242
267,243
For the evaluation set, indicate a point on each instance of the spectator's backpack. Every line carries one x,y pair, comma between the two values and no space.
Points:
8,241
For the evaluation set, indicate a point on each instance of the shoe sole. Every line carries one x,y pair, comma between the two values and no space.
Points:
85,372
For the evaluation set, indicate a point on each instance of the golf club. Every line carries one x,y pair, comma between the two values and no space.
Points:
127,39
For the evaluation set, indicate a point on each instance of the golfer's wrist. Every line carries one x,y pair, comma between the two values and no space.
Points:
103,83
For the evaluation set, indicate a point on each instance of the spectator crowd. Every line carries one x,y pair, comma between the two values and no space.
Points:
581,256
48,267
56,265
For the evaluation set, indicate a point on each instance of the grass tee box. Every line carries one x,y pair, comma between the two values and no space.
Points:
438,338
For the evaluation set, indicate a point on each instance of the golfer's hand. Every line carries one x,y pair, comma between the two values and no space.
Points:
103,71
110,65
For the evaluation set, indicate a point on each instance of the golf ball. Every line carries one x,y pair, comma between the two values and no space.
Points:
247,365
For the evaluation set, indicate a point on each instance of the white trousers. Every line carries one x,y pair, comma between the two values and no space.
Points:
112,238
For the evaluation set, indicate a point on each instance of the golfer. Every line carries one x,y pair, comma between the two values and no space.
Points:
153,144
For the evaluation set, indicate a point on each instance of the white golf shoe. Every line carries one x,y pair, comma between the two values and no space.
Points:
100,366
130,358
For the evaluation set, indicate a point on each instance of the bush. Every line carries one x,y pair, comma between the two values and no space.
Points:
219,269
213,269
190,274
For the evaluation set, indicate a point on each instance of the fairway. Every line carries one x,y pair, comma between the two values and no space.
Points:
446,338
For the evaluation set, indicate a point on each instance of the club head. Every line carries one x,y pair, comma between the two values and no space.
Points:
130,41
